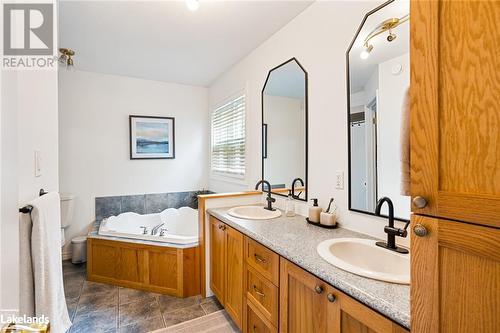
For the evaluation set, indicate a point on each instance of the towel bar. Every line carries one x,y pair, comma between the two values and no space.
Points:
28,208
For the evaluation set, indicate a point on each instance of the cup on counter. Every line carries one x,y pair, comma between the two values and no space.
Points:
327,219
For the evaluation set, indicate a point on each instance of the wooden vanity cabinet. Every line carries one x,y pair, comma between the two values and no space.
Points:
226,268
455,277
307,304
265,293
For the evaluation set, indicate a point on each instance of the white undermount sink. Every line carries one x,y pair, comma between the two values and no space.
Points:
253,213
363,257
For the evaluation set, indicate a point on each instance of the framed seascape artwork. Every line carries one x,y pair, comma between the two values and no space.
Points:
152,137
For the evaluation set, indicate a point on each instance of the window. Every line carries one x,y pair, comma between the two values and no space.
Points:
228,138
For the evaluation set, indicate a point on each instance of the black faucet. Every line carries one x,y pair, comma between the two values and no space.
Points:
267,189
390,230
293,187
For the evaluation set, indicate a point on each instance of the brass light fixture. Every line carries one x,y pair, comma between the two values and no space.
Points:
66,57
387,25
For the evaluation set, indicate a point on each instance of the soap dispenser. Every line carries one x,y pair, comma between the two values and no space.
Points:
289,205
314,211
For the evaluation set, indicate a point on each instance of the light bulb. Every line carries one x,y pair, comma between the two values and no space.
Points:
366,52
193,4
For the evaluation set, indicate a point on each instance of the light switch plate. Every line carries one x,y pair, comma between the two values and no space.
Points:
339,180
38,163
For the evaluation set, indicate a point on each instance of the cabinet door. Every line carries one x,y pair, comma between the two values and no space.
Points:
355,317
217,259
455,274
233,301
455,103
303,302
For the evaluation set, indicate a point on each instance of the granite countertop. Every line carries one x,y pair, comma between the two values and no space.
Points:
295,240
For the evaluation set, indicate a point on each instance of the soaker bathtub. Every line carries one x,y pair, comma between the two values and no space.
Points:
175,226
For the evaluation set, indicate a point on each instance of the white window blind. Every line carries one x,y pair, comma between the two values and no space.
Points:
228,138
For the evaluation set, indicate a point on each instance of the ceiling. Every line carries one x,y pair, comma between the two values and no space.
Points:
361,70
164,41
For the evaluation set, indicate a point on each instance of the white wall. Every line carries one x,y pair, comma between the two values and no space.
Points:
29,123
94,139
318,38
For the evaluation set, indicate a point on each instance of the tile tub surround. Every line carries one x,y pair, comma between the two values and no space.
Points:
145,203
295,240
96,307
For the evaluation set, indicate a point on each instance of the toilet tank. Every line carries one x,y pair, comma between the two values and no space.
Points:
67,208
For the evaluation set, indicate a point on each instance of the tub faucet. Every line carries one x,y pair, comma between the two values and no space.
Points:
390,230
144,230
155,229
267,189
163,231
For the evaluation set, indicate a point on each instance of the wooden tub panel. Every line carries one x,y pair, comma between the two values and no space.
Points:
159,269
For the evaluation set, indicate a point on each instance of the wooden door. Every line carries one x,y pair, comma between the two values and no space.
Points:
455,109
233,300
217,259
455,274
303,302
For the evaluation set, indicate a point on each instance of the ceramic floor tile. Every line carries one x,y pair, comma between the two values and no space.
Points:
182,315
127,295
71,305
147,325
171,303
104,320
69,268
211,305
95,287
89,302
138,311
73,287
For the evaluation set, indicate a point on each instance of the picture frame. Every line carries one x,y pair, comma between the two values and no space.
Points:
151,137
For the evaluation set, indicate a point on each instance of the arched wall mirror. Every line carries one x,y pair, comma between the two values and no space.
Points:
284,129
377,81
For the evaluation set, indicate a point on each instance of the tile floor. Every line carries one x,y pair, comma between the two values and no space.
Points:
96,307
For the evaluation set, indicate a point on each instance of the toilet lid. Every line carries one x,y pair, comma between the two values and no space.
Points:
79,239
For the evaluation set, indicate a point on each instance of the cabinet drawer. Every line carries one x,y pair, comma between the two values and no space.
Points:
263,260
263,294
255,323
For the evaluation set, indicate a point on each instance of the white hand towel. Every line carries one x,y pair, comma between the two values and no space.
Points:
41,285
405,181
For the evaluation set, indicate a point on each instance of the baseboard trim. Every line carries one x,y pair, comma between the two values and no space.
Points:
66,255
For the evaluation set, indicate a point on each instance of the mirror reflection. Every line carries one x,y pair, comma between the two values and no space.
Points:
378,82
284,129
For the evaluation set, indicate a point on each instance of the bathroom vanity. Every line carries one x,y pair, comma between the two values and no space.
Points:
269,277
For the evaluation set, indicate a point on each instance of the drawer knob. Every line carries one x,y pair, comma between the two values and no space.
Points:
331,298
258,292
259,258
318,289
420,230
419,202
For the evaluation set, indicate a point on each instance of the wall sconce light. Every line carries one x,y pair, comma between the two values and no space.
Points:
66,59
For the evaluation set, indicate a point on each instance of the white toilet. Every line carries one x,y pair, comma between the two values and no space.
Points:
67,210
